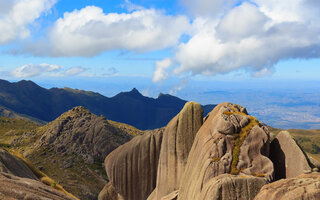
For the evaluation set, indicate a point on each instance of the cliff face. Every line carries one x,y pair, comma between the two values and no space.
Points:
177,141
132,168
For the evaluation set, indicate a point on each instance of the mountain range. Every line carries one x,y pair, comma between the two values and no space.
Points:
29,99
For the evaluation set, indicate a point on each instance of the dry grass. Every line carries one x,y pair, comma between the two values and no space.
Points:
133,131
43,177
216,159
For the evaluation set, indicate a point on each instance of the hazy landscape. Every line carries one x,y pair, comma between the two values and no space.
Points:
159,100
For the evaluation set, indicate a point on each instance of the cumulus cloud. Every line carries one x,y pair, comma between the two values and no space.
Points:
15,16
31,70
160,73
74,71
251,36
89,31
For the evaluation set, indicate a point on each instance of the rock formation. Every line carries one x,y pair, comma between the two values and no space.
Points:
177,141
14,166
227,186
83,133
229,141
226,155
16,188
132,167
109,193
305,186
289,160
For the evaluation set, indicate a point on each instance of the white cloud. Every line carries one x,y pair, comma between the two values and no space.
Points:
31,70
74,71
89,31
251,37
15,16
160,73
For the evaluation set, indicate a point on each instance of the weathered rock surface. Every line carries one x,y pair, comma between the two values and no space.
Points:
109,193
83,133
229,141
305,186
227,186
177,141
16,188
14,166
289,160
132,167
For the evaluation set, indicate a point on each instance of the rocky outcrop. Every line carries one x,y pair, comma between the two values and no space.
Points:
289,160
305,186
229,141
16,188
109,193
83,133
132,167
177,141
14,166
227,186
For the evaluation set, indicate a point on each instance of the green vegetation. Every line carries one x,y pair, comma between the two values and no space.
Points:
239,139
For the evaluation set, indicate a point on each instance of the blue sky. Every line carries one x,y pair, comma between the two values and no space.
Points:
158,45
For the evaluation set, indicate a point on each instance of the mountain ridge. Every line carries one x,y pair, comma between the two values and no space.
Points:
28,98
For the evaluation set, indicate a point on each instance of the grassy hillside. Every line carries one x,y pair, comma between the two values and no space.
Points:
68,170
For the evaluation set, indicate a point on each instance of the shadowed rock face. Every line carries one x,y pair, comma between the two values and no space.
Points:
132,167
14,166
16,188
226,186
229,141
81,132
305,186
289,160
177,141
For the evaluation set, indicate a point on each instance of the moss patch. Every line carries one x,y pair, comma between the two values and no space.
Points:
238,141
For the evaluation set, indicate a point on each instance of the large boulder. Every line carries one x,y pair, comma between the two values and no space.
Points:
229,141
227,186
14,166
305,186
288,158
16,188
132,167
177,141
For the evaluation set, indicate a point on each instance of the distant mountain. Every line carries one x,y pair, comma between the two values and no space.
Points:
27,98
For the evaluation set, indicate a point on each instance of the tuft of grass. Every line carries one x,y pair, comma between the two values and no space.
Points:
259,175
216,159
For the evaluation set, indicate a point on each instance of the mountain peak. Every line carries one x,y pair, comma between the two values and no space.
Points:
134,90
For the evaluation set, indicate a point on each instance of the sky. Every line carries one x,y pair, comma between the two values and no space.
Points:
158,45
